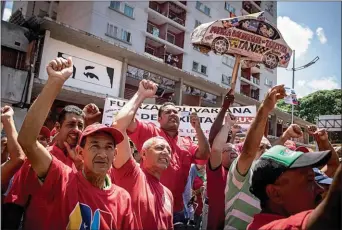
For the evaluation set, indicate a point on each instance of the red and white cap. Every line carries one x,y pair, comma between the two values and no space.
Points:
97,127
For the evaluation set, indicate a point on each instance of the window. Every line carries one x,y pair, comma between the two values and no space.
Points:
229,8
195,66
120,34
170,38
268,82
125,36
207,10
226,80
115,5
128,11
228,60
203,69
197,23
198,5
203,8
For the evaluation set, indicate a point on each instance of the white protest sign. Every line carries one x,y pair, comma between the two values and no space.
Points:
207,115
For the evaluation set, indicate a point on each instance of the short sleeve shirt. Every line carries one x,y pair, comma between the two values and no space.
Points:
267,221
25,187
240,204
216,182
152,202
77,204
183,154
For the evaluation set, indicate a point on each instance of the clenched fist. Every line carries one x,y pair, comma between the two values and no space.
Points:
60,69
92,114
195,121
147,89
274,94
6,113
318,134
294,131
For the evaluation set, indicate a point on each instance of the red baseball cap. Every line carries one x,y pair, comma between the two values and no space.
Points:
303,149
116,134
45,131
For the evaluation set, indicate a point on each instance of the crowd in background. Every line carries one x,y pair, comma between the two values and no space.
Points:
136,175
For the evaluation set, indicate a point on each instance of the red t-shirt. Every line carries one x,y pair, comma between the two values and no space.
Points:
198,183
216,183
183,154
272,221
77,204
151,201
25,184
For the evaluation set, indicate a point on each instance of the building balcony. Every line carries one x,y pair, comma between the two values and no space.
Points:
166,34
249,90
250,77
160,52
168,12
250,8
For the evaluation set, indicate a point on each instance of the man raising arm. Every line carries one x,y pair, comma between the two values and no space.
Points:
184,151
69,194
16,154
241,205
151,201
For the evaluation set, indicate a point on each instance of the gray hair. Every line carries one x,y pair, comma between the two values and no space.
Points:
148,143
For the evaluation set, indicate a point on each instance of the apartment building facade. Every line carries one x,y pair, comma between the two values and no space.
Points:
128,41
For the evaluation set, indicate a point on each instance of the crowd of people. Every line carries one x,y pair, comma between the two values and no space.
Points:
136,175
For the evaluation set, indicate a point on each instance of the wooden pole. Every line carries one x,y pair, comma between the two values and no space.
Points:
235,73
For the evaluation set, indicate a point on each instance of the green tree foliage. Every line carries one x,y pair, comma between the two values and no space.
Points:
323,102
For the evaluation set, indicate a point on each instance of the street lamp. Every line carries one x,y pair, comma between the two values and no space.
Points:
294,69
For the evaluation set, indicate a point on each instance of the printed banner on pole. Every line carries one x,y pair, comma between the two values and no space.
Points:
291,97
207,115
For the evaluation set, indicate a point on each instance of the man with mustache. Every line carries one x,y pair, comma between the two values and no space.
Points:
152,202
184,151
69,125
74,200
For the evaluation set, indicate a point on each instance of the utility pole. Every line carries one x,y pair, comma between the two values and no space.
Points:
293,78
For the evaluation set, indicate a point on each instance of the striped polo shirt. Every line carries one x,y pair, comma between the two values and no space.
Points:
240,204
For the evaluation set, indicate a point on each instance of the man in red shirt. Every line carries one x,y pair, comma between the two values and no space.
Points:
184,151
75,200
25,185
152,202
284,182
221,157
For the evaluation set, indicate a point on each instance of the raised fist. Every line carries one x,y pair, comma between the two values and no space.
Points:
92,114
60,69
6,113
312,129
294,131
147,89
195,121
321,135
274,94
